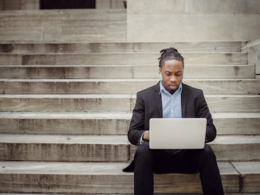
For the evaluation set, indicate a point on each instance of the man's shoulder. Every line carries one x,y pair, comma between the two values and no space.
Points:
190,88
149,90
192,91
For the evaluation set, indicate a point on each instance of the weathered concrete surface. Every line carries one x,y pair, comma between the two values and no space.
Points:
201,72
234,148
237,123
8,59
213,27
63,26
123,72
67,103
222,6
108,148
98,178
250,172
122,86
193,6
65,123
253,50
20,5
76,123
64,148
70,48
114,103
230,148
67,13
235,58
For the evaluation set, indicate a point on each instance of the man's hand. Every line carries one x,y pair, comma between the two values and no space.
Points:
146,135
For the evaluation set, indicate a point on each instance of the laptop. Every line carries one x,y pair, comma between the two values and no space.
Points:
177,133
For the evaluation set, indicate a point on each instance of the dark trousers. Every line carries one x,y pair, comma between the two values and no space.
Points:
148,161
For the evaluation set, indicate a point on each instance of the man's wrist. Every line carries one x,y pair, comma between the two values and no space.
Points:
142,139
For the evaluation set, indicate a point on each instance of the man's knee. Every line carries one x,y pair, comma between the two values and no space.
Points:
207,152
143,152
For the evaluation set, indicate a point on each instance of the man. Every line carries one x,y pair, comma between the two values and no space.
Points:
170,98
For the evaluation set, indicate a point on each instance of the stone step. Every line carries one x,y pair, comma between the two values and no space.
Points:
77,24
108,123
107,178
230,148
63,12
235,58
64,148
114,103
88,36
250,174
80,48
42,18
108,148
123,72
68,30
122,86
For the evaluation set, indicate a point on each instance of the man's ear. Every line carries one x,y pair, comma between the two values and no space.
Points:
160,70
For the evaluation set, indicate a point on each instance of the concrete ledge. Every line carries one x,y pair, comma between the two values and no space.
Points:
70,48
64,148
43,13
250,173
115,103
77,148
63,26
98,178
230,148
235,58
62,123
122,86
193,6
123,72
212,27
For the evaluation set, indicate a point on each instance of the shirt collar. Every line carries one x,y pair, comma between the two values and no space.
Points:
163,89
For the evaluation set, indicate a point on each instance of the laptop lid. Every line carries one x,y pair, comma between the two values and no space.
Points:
177,133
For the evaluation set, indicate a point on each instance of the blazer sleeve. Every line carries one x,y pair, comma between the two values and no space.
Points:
136,128
203,112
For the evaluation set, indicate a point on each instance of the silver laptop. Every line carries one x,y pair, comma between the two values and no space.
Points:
177,133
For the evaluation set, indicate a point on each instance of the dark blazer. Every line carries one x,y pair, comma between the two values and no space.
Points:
149,105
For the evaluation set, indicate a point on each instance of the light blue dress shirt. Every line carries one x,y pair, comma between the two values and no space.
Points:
171,104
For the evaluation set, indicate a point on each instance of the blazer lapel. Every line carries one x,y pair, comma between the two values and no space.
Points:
183,100
158,98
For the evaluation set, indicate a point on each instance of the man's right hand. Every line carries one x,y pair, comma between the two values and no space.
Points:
146,135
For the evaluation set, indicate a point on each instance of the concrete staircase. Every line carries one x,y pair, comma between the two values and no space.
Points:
65,110
63,26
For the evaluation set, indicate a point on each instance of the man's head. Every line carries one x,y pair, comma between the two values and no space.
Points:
171,67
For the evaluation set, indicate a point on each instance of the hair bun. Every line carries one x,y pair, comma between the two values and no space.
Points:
173,49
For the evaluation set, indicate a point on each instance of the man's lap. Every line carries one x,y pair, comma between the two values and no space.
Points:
172,161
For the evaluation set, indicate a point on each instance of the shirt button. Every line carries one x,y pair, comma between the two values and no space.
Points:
171,110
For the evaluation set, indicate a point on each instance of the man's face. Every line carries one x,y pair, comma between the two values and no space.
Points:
172,75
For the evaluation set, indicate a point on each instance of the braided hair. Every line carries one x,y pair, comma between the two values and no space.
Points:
170,54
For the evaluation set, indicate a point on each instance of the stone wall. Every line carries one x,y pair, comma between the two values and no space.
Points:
193,20
253,50
19,4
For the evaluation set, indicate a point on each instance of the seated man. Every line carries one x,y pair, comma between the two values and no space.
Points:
170,98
